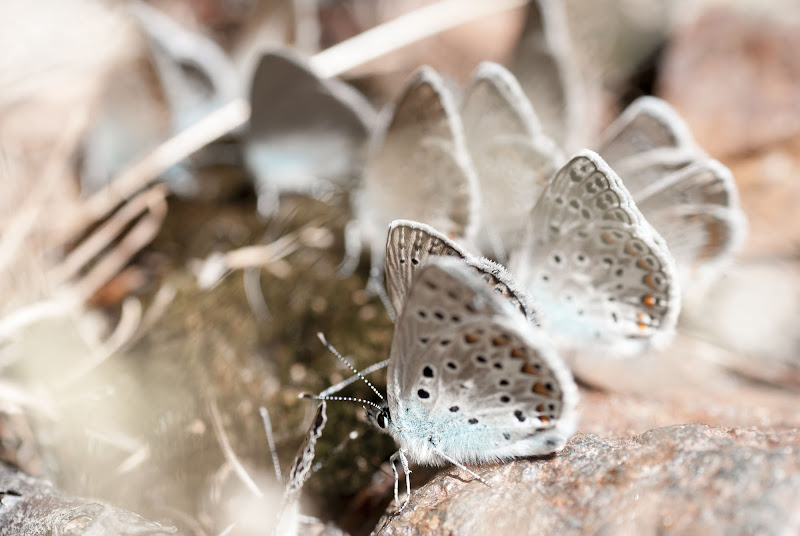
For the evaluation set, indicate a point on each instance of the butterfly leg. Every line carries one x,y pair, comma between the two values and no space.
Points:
352,250
400,455
459,465
374,284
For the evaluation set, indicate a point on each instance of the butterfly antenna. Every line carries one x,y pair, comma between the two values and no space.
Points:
340,399
271,442
341,358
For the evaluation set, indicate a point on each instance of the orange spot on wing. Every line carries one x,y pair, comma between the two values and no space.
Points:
500,340
540,389
641,324
649,281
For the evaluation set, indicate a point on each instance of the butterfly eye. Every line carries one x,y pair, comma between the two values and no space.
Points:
381,420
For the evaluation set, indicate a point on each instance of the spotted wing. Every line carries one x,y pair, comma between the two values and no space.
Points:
512,157
418,167
470,376
599,273
410,244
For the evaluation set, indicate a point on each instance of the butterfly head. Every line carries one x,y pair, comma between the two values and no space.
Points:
379,416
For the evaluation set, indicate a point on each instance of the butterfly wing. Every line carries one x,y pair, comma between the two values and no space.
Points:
196,75
470,376
697,212
409,246
288,517
648,133
509,152
599,273
546,67
418,167
691,199
305,132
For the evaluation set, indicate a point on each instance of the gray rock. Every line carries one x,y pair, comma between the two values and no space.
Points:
683,479
31,506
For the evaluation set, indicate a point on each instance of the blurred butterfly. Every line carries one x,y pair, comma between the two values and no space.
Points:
193,75
690,198
197,76
306,134
548,72
417,168
513,159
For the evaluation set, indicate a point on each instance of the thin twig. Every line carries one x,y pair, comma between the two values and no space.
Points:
227,451
403,31
142,234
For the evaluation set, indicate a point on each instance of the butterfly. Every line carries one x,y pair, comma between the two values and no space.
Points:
306,134
512,157
690,198
417,168
196,75
193,76
546,66
470,379
601,276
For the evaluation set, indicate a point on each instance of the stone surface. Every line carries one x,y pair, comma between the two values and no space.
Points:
683,479
33,507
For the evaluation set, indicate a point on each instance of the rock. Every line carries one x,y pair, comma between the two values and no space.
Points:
681,479
33,507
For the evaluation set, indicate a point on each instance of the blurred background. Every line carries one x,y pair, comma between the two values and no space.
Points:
159,282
